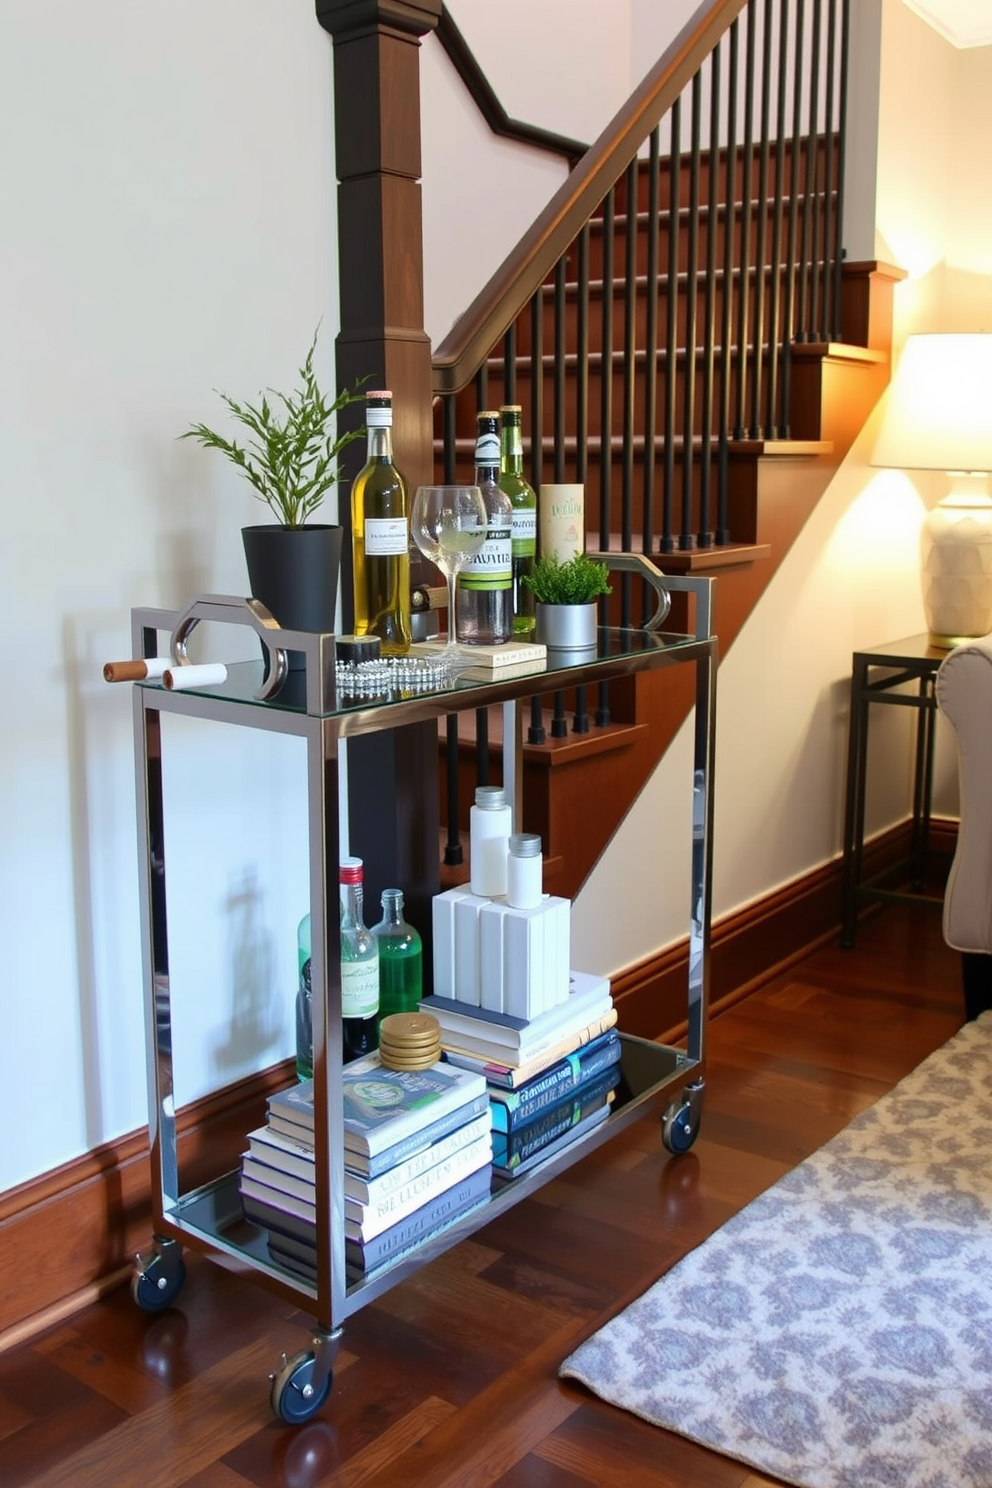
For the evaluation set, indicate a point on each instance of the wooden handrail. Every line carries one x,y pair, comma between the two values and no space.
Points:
484,97
496,306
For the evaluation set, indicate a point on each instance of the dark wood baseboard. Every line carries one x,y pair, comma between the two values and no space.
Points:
754,944
70,1234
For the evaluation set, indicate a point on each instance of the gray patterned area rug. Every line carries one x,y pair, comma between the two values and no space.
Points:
837,1333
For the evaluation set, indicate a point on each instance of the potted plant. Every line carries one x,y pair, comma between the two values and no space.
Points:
565,594
290,460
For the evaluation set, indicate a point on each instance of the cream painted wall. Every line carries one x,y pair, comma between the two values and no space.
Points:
481,193
165,232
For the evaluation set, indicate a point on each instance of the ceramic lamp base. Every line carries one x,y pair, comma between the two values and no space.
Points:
956,564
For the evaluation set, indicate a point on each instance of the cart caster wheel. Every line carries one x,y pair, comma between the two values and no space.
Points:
155,1284
293,1397
678,1129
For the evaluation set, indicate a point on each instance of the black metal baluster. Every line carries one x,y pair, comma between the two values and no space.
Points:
606,373
706,532
729,238
826,319
450,437
482,387
629,375
774,424
651,361
510,365
745,255
558,375
582,360
453,854
845,47
687,536
536,733
812,217
667,544
758,422
795,187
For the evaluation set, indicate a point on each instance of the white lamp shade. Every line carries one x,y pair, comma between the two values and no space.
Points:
939,417
939,410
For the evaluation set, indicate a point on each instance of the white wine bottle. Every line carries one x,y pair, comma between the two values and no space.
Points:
380,536
524,503
484,595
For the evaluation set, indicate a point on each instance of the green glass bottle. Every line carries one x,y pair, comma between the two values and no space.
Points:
524,524
400,958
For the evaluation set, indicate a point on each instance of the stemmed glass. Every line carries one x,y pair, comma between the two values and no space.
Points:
448,524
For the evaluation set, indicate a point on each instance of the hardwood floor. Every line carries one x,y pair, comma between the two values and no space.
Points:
450,1379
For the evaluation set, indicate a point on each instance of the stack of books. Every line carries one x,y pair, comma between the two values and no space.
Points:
418,1154
550,1079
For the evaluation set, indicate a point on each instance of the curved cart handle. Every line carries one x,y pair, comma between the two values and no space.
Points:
636,563
228,609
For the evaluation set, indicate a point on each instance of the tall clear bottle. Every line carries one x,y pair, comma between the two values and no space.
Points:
359,966
524,525
380,535
400,958
484,596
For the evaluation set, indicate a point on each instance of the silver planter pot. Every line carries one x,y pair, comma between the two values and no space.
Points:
566,627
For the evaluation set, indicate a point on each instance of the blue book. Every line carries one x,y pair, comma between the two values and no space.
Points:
514,1108
515,1151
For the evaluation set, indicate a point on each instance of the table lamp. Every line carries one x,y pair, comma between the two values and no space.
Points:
939,417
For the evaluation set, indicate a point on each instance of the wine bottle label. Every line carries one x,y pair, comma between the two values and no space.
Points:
492,566
487,450
524,530
562,530
359,988
385,536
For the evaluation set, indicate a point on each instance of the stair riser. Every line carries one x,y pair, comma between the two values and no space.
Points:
808,218
812,164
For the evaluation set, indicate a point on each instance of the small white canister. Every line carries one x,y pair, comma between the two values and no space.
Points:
525,871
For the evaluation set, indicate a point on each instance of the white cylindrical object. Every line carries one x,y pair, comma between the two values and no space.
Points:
561,521
489,824
524,871
208,674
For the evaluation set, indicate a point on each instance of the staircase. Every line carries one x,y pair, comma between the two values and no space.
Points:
703,315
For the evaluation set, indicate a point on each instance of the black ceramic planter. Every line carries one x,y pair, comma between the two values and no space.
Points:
294,572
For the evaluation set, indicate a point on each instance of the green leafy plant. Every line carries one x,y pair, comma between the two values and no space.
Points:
577,580
291,458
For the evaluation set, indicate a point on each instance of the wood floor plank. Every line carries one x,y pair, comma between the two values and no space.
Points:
450,1379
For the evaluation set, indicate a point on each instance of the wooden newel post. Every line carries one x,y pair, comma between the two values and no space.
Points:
393,778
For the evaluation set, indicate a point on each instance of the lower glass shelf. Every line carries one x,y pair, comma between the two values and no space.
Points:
211,1218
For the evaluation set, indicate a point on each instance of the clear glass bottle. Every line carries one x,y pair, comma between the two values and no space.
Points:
380,536
359,966
400,958
304,1003
524,519
484,595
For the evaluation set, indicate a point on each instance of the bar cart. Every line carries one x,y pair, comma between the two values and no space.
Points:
310,704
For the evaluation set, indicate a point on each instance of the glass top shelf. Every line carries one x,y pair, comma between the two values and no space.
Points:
617,652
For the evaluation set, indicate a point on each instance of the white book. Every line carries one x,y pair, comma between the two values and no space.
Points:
365,1221
588,996
283,1164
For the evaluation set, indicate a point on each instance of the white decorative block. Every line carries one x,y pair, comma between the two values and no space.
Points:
443,920
468,981
524,966
491,971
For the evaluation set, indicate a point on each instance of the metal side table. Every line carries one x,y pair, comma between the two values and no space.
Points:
880,675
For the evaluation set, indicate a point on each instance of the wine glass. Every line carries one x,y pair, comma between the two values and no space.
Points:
448,524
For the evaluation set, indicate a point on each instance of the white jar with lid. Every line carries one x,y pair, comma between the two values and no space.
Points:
489,841
524,871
